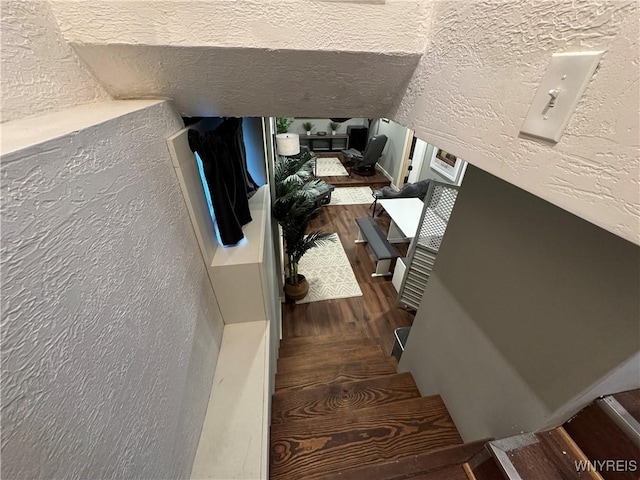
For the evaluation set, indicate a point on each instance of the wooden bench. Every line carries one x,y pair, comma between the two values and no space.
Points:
369,232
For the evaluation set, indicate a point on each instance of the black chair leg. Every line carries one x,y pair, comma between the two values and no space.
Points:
373,206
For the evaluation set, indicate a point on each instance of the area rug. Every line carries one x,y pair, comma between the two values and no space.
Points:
330,167
329,273
351,196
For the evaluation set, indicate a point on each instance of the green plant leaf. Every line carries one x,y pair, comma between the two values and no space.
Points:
283,124
295,206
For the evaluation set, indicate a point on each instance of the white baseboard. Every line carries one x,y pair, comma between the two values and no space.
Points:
386,174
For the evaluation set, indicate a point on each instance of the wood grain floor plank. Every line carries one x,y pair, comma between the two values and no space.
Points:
415,466
563,455
312,448
322,359
543,459
314,377
329,338
601,439
376,314
342,397
325,348
452,472
488,470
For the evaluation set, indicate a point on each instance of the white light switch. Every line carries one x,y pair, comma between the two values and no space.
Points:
565,80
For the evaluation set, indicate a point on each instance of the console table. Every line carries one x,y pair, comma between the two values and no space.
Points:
312,140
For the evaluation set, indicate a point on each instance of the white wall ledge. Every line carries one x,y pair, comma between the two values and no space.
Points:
236,272
26,132
234,442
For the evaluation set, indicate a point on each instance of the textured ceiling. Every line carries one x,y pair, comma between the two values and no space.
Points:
252,57
254,82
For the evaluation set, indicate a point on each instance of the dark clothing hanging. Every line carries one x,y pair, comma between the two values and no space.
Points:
225,168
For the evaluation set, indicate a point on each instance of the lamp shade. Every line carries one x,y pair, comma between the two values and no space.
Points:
288,143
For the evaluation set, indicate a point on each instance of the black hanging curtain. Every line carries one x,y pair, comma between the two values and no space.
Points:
224,158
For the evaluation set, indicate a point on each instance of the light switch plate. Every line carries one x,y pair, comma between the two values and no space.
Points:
566,78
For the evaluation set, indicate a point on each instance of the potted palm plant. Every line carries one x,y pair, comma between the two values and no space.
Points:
294,207
334,126
308,126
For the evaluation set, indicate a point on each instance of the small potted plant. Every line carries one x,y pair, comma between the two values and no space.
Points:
308,126
334,126
294,207
283,124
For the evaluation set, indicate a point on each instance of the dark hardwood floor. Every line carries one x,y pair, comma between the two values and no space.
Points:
338,401
376,314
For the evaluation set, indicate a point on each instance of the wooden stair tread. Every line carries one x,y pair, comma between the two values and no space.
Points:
315,349
548,455
452,472
322,360
601,439
312,448
630,400
344,396
487,470
562,453
430,465
328,338
313,377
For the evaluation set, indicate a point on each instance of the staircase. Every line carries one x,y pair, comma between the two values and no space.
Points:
341,412
602,442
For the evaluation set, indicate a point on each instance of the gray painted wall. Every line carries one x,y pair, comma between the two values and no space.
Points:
391,159
527,308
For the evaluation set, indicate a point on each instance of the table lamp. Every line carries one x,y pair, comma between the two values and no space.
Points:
288,144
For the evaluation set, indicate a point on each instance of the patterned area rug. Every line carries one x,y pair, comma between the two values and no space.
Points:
329,273
330,167
351,196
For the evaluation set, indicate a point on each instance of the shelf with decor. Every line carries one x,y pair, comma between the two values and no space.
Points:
328,143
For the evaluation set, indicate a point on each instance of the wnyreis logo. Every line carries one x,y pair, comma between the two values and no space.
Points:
607,466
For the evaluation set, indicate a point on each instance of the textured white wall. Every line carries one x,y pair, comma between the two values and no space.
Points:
527,309
397,26
250,58
40,72
110,328
479,73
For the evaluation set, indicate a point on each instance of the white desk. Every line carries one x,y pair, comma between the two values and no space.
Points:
405,216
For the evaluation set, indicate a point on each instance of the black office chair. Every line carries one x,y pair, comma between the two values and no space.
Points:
364,163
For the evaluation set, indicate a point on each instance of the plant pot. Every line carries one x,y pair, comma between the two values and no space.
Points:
308,132
296,291
333,132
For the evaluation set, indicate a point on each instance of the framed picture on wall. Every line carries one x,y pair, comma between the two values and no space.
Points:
447,165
